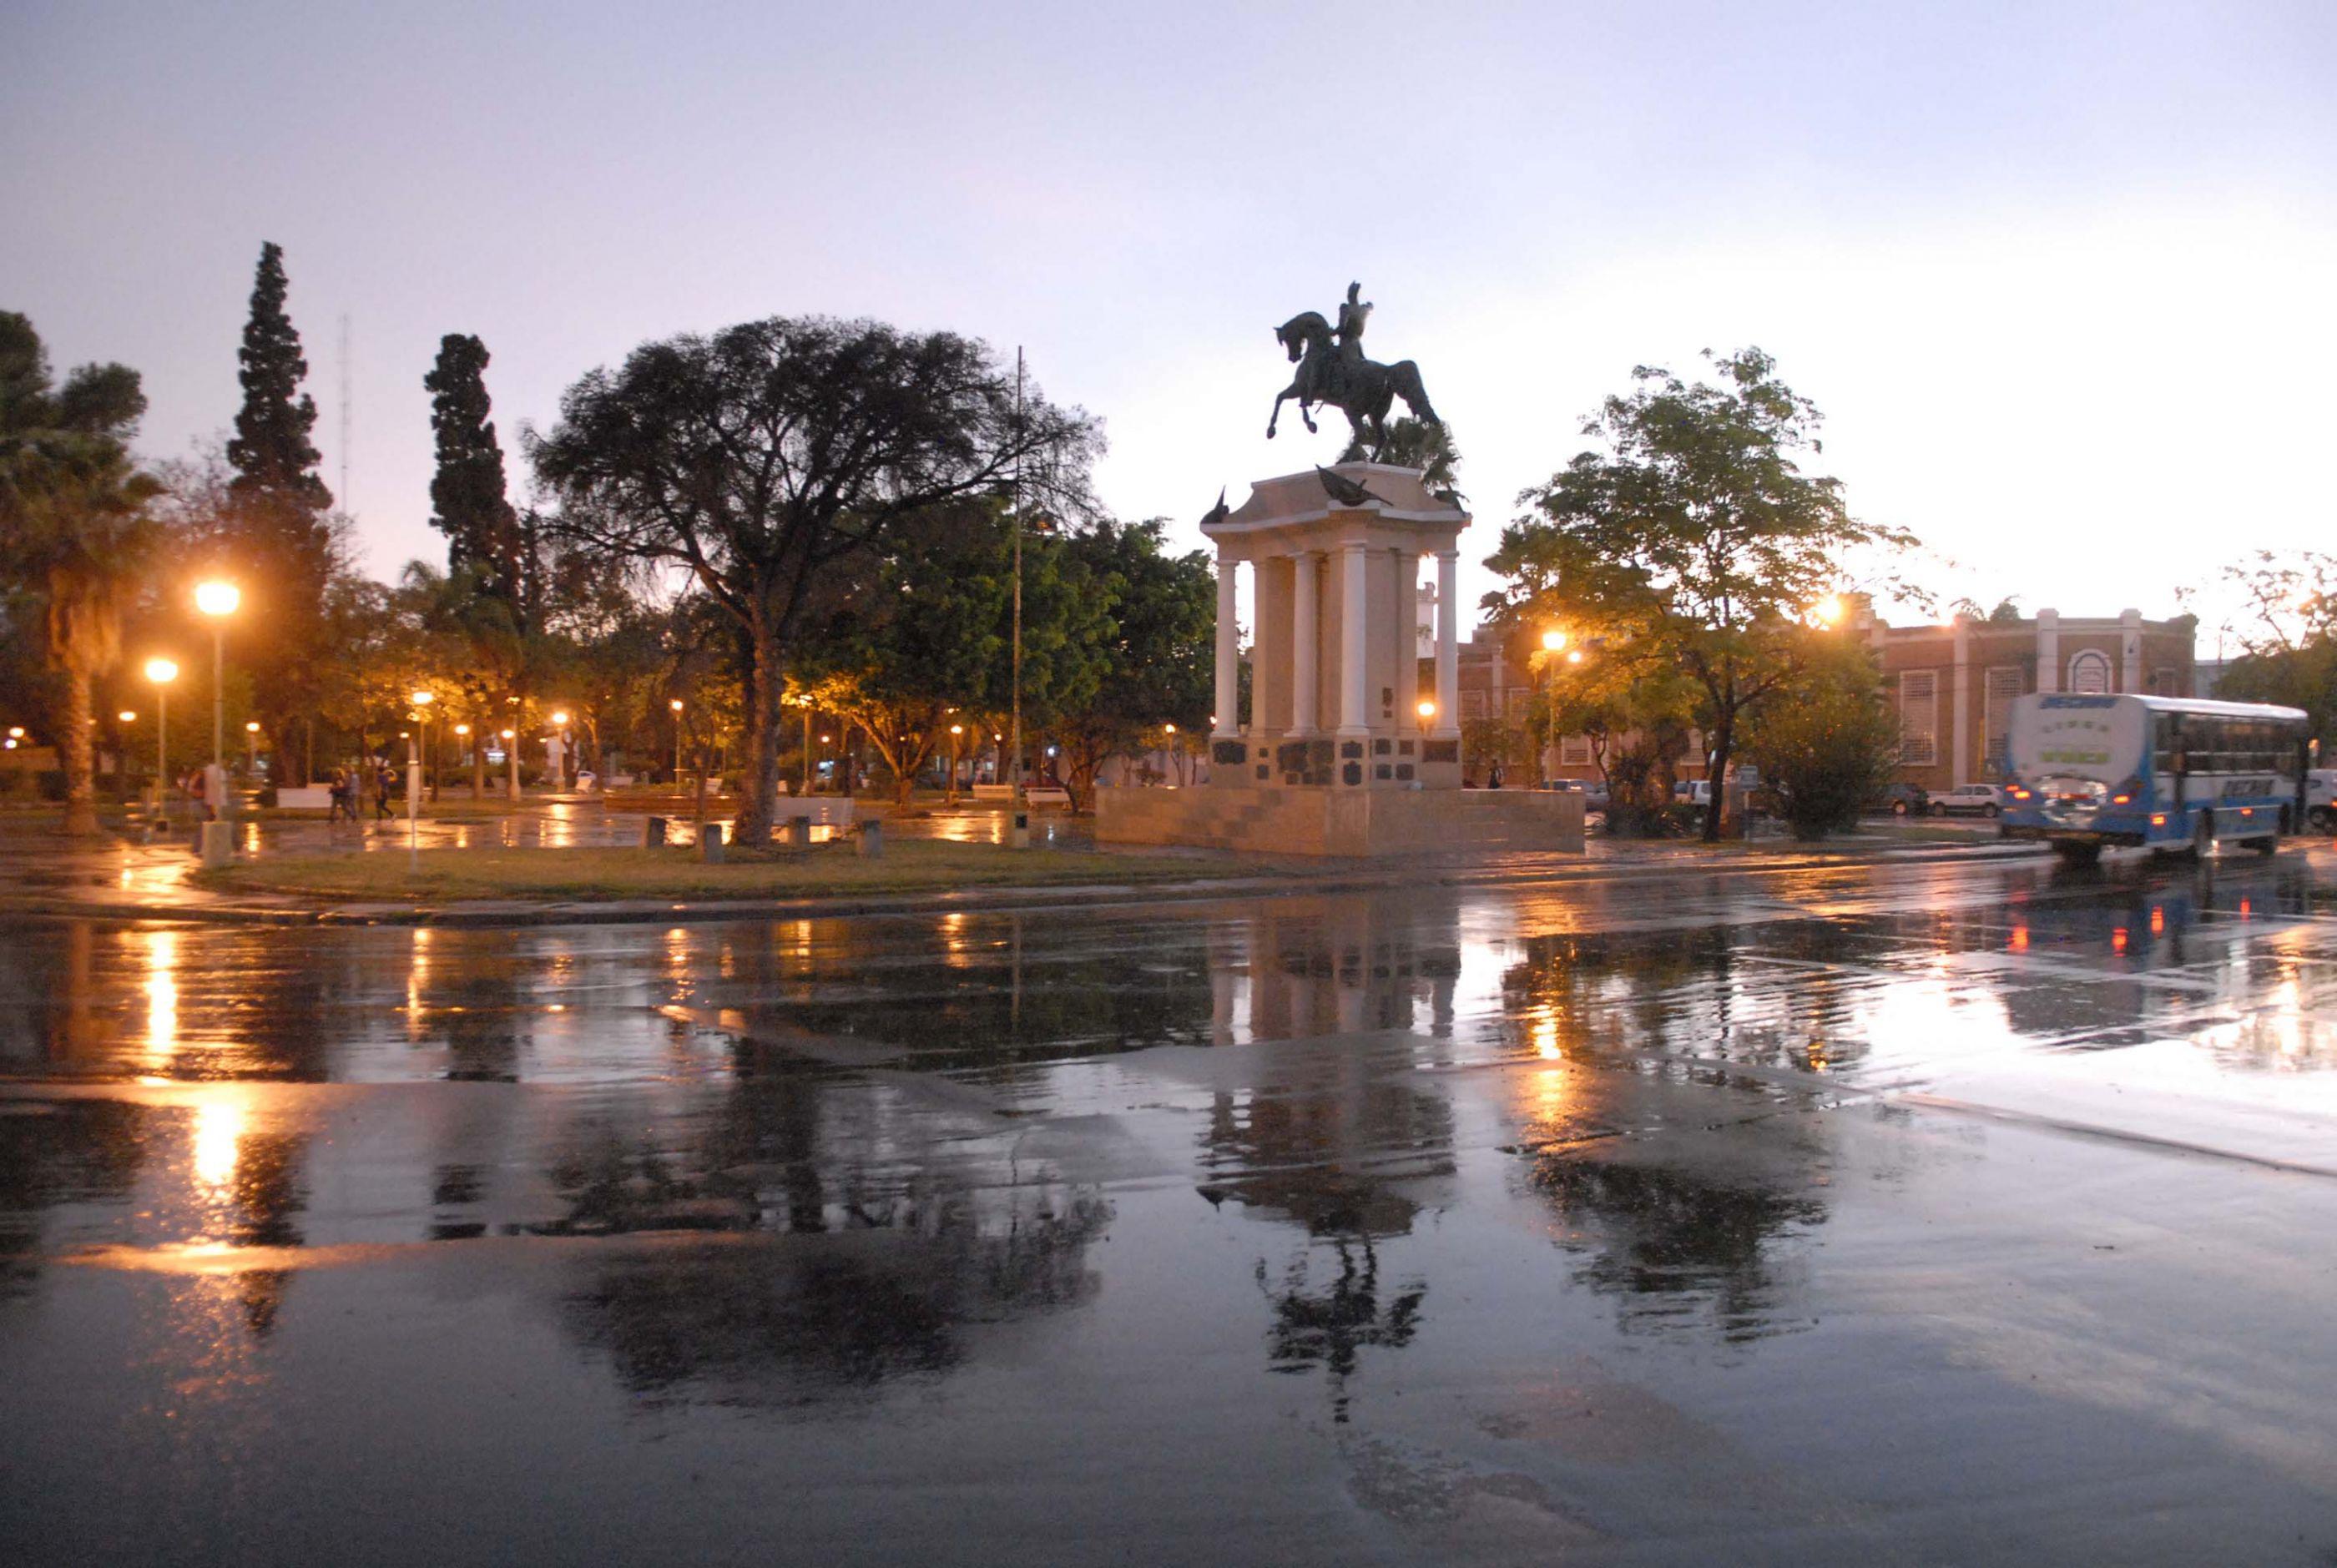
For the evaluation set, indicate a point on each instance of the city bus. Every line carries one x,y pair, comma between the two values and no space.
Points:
2085,772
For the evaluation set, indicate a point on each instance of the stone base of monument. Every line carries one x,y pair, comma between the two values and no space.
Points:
1267,819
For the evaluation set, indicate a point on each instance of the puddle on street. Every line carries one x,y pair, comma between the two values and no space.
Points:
1279,1161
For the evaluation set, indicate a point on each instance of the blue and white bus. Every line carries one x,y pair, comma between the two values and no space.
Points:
2083,772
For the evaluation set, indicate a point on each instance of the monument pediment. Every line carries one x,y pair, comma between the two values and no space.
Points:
1395,494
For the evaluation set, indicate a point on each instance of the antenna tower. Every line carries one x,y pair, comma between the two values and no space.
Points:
346,505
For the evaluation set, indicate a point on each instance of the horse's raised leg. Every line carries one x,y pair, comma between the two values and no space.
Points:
1272,419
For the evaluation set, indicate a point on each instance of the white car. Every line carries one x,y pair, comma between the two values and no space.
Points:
2320,799
1980,800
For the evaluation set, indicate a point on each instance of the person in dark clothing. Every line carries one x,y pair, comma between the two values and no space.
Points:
384,779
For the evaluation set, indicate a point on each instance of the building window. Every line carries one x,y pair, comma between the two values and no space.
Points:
2002,686
1918,717
2089,674
1473,704
1574,750
1520,696
2162,683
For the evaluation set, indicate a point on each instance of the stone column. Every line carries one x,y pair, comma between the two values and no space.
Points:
1407,641
1229,723
1354,647
1448,642
1305,639
2049,650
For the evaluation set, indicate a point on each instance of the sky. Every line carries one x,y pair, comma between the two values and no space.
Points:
2062,277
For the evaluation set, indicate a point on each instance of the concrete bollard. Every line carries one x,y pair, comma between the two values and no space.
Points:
871,842
217,842
710,843
653,834
1018,836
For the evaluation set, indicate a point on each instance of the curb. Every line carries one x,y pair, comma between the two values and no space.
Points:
492,913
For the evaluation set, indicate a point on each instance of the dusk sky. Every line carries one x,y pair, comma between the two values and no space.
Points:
2060,276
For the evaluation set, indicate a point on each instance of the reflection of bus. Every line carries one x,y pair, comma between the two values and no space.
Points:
2089,771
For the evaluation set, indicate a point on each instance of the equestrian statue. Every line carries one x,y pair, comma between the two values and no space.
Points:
1332,371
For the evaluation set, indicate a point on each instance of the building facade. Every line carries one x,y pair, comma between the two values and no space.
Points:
1953,684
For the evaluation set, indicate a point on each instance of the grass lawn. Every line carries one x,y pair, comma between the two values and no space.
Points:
916,865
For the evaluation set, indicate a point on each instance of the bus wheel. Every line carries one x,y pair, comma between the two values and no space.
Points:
2077,854
2321,818
2268,844
2202,835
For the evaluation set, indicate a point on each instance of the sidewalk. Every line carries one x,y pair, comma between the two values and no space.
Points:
112,880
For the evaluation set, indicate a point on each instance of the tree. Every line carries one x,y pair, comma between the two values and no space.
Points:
467,502
1830,743
1416,444
1695,542
79,537
1158,663
278,532
760,459
2287,631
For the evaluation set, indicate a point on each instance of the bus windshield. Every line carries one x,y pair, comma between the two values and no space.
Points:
2099,739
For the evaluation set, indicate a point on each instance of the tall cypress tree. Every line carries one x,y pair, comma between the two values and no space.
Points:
466,495
277,529
271,452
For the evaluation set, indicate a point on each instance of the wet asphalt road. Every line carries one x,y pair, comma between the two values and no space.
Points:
1927,1213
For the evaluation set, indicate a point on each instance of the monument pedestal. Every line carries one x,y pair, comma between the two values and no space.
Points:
1348,750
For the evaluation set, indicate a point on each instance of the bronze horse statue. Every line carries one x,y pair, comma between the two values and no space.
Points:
1362,389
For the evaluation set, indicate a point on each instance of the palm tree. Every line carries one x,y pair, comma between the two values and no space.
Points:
74,505
1412,443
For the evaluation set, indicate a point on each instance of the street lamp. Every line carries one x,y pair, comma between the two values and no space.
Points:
1552,641
422,701
560,729
250,746
161,672
218,600
955,730
1427,711
1829,609
675,704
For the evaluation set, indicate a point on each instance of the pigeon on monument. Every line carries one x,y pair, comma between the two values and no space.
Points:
1343,490
1217,513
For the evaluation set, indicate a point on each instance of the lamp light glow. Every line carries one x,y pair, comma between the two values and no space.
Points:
161,671
218,597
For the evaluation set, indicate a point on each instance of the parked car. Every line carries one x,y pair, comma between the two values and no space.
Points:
2320,799
1901,800
1971,800
1692,791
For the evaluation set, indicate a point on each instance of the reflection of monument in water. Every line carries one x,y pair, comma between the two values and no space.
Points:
1343,752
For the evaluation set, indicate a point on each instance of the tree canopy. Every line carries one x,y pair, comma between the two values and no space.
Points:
1693,540
759,460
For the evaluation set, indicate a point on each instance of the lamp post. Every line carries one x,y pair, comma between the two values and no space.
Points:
478,764
422,701
251,746
1552,641
511,759
161,672
560,732
219,600
676,706
955,730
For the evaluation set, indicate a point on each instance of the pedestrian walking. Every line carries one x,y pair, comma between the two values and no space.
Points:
339,797
384,780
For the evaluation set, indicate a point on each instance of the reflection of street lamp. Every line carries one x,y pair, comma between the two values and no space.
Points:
161,672
219,601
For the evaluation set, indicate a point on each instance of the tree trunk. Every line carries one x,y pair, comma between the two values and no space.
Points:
74,754
760,802
1724,739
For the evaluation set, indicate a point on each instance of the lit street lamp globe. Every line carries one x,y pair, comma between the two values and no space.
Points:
161,671
126,716
560,718
218,597
423,699
1553,640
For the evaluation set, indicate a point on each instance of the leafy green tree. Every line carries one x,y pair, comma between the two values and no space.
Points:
74,511
2287,630
278,535
761,459
1695,542
1416,444
468,504
1157,663
1830,742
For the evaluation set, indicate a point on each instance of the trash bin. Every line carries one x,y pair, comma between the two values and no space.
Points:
871,843
653,835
